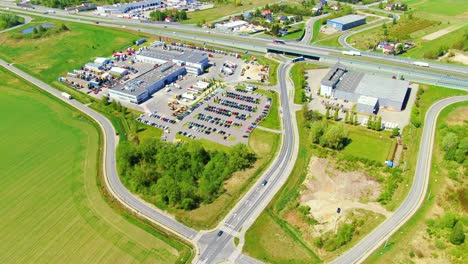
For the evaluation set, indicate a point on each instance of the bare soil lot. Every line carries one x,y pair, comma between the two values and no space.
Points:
327,189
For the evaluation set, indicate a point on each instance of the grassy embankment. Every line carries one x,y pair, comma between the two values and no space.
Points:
445,194
298,72
57,54
52,207
295,35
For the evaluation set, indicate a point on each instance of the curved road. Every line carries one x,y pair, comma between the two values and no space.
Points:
415,196
113,182
27,19
252,204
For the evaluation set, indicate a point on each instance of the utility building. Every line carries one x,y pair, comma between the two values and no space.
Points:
346,22
369,91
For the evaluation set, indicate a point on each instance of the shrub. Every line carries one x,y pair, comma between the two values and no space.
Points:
457,237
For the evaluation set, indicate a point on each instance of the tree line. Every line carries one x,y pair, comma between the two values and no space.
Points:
183,175
172,12
9,20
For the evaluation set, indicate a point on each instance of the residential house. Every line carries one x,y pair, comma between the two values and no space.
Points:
317,8
266,12
269,19
282,18
247,15
169,19
388,49
335,7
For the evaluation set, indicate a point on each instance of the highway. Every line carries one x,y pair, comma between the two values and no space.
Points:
113,182
309,29
254,202
415,197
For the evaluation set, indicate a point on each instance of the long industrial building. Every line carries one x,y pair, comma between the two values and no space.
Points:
346,22
142,87
368,91
124,8
195,62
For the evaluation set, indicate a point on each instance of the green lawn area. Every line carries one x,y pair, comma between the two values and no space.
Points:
50,57
297,34
221,10
330,42
52,208
440,7
297,74
272,120
268,241
316,28
434,45
369,144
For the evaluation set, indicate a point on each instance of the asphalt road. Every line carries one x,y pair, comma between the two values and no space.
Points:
415,196
254,202
309,29
112,179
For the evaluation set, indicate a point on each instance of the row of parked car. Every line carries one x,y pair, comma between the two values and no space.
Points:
150,123
246,98
236,105
165,119
217,121
200,128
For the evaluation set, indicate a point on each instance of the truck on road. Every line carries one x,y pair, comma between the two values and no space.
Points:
421,64
352,53
64,94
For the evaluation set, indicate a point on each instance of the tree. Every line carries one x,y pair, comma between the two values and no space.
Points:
394,21
399,48
355,119
457,237
317,130
380,5
396,132
327,113
347,117
275,29
378,124
335,136
335,116
369,122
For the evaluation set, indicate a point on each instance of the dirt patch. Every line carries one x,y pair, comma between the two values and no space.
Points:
458,116
460,57
441,32
327,189
254,72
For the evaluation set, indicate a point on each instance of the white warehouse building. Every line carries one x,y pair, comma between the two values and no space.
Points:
141,88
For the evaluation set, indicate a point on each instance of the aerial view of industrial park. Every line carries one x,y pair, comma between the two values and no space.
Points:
234,131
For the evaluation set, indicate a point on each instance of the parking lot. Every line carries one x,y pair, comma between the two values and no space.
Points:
226,116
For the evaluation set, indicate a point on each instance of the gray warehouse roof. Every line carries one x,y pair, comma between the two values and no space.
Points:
347,19
138,85
381,87
350,81
334,75
186,56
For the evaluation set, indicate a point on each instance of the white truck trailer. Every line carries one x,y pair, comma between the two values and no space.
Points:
421,64
351,53
64,94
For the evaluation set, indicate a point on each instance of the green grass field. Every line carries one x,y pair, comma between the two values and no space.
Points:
222,9
297,74
268,241
330,42
297,34
440,7
51,208
54,56
369,144
272,120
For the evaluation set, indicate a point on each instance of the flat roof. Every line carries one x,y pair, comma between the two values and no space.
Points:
383,87
334,74
168,55
347,19
139,84
349,81
367,100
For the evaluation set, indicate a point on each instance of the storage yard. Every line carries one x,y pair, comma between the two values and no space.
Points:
181,89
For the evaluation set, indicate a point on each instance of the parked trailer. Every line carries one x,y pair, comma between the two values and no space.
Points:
140,41
352,53
421,64
64,94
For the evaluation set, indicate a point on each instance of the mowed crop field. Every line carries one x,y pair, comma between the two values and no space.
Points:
51,210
